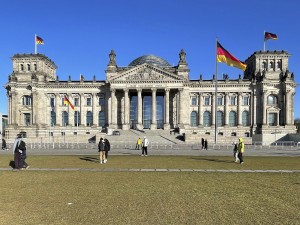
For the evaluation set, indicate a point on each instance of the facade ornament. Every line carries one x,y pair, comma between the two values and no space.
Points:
112,58
182,56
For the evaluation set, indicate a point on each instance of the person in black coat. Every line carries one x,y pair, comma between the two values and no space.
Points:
101,146
202,143
205,144
106,149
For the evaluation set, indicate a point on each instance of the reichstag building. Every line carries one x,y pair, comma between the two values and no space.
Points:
151,94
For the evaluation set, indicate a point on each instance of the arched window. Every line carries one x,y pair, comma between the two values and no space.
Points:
28,67
22,67
232,119
271,65
220,118
26,100
101,119
278,67
77,121
65,118
193,119
272,100
207,119
245,118
89,118
264,65
53,118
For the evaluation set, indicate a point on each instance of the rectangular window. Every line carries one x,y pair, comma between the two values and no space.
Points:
27,119
220,101
88,101
232,100
76,101
52,102
206,100
245,100
101,100
194,100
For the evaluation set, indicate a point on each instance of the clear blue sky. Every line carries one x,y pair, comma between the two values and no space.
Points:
79,35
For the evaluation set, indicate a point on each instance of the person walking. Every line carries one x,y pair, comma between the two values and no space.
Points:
205,144
241,149
17,152
101,146
145,146
235,152
106,149
4,144
138,144
202,143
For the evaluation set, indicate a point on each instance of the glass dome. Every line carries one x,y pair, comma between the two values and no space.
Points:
150,59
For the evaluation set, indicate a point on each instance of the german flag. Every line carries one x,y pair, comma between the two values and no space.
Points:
269,35
39,40
224,56
67,102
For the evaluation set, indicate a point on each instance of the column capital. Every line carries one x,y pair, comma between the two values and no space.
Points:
126,90
167,90
153,89
139,89
113,90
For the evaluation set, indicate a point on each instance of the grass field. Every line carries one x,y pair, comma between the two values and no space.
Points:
97,197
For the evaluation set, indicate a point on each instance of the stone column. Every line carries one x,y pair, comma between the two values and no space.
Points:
167,109
226,110
181,110
58,111
113,108
213,113
253,109
35,108
292,108
287,107
153,122
126,110
140,109
95,111
82,113
264,108
239,113
200,113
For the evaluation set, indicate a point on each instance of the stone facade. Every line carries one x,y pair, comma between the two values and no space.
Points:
149,93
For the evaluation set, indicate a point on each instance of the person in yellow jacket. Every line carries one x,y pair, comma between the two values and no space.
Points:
138,144
241,149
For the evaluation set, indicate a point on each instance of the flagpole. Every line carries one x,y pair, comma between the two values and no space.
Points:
35,46
264,41
216,93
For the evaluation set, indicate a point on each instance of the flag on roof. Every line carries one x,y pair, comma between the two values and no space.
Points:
224,56
269,35
39,40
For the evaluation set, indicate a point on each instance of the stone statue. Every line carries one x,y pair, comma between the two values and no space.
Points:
112,58
182,55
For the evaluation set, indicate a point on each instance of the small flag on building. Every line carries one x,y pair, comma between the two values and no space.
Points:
269,35
67,102
224,56
39,40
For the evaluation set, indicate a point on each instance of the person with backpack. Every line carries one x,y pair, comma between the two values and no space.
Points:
101,150
18,148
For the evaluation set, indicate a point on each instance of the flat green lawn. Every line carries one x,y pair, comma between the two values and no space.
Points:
95,197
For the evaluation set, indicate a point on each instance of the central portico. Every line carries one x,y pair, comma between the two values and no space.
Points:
146,94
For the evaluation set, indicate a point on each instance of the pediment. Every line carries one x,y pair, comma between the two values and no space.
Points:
273,109
146,72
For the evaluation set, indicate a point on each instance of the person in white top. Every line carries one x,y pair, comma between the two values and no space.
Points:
145,146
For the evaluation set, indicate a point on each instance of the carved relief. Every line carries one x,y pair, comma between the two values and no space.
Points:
146,74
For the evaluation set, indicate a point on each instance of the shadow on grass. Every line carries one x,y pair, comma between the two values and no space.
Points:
90,159
213,160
